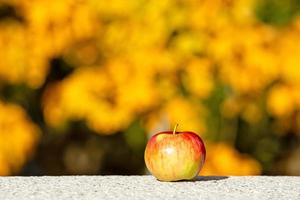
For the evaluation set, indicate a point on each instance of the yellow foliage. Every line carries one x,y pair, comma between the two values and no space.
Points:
281,101
199,78
187,113
222,159
18,137
155,60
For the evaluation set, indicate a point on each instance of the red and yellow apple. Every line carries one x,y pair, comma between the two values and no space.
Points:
173,156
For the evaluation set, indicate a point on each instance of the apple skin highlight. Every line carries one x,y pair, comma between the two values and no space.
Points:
173,157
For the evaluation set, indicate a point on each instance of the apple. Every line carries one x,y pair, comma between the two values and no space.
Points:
174,156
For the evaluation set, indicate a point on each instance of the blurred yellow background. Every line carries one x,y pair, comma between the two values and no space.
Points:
85,83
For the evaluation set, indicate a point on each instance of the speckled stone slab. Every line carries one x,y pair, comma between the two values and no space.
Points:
147,187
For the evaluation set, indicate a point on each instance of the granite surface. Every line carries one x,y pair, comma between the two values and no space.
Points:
147,187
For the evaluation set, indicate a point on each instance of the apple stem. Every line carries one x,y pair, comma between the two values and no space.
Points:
174,131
